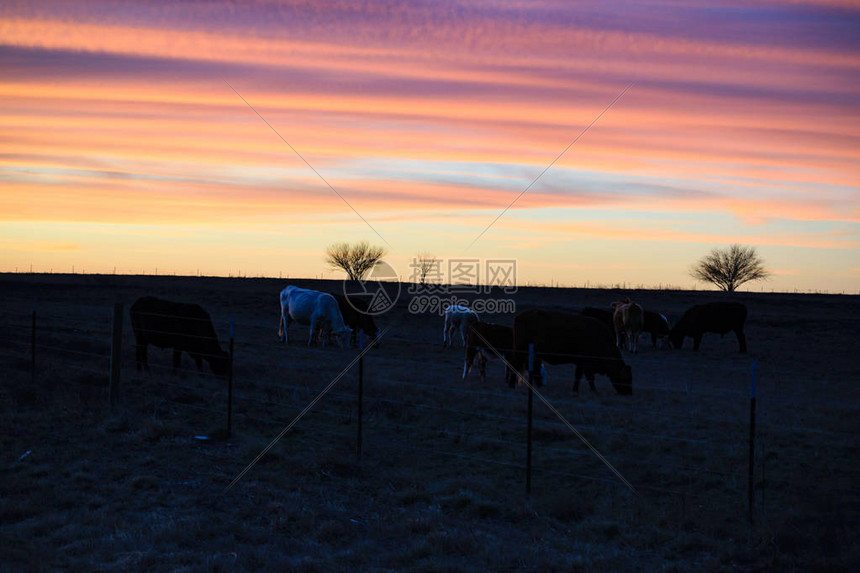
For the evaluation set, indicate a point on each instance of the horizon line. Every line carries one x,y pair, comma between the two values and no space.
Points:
624,286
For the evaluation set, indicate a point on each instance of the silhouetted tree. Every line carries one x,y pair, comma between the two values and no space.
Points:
355,259
731,267
424,264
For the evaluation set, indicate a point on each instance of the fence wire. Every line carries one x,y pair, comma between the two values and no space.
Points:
426,398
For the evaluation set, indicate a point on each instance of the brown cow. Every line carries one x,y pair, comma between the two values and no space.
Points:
628,319
565,338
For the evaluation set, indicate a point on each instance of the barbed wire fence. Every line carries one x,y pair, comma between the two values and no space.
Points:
393,412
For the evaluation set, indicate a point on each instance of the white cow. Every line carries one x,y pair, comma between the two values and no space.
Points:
318,309
457,316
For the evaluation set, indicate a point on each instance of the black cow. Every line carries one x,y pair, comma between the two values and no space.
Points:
719,317
656,325
499,336
565,338
180,326
602,314
355,311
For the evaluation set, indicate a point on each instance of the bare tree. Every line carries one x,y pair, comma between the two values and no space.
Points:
730,268
425,263
355,259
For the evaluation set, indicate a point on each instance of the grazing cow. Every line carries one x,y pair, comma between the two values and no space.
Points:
180,326
499,336
356,316
628,323
719,317
457,316
565,338
656,325
318,309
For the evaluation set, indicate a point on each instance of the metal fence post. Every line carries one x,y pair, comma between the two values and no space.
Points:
33,346
360,392
116,354
750,477
529,422
230,384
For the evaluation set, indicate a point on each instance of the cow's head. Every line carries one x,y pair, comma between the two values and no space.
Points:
342,336
622,381
676,337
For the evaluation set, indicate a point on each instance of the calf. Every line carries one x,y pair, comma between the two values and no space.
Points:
457,317
719,317
356,316
181,326
482,334
656,325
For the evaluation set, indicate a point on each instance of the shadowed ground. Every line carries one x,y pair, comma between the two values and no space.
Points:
441,482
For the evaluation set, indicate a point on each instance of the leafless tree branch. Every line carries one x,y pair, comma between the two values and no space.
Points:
356,260
730,268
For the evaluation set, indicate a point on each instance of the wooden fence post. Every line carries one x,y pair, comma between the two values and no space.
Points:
116,354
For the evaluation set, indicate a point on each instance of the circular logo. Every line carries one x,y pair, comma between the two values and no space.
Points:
375,294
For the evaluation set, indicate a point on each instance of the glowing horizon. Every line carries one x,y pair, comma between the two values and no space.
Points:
122,146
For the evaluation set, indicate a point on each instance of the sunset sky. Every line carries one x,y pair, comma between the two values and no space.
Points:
122,146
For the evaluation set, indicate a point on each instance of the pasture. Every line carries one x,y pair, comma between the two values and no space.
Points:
440,485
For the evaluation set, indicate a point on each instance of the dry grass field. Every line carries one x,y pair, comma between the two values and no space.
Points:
440,485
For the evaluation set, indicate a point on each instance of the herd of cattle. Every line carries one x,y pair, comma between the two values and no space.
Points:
592,339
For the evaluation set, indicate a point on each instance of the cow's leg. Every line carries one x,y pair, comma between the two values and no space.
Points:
653,340
281,329
482,366
509,373
589,375
742,339
177,359
516,363
285,322
140,356
697,340
198,360
314,323
577,376
620,339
